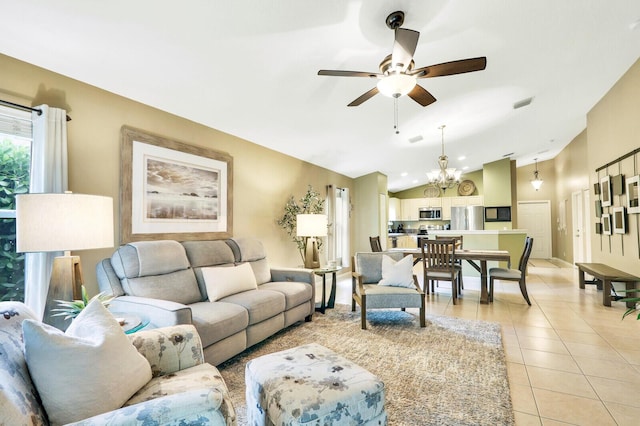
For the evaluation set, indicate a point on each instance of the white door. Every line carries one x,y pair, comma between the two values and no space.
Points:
535,217
586,216
579,229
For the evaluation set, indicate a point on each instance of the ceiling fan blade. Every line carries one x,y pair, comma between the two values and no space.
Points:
421,95
339,73
364,97
404,47
450,68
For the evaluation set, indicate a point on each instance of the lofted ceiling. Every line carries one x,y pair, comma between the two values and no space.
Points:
249,68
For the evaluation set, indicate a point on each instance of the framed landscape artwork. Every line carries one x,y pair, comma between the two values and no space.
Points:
605,190
173,190
633,194
619,220
606,224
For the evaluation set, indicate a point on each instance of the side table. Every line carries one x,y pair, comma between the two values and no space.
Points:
131,323
324,304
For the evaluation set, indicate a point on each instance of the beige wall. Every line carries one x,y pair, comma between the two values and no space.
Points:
613,129
263,179
418,191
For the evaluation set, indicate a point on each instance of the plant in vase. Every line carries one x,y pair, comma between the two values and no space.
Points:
635,300
71,309
310,203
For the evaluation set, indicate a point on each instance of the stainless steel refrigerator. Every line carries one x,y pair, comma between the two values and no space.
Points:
467,218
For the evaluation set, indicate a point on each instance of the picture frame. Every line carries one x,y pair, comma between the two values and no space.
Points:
605,190
598,204
598,227
619,220
173,190
606,224
617,185
633,194
596,188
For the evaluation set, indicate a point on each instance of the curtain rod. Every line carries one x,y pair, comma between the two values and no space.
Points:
24,108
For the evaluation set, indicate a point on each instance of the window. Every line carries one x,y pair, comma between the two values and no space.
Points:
15,159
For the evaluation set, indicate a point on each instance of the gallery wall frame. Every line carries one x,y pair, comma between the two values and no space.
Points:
606,224
619,220
633,194
605,190
173,190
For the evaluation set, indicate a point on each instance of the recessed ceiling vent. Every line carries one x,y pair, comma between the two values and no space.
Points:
415,139
508,155
522,103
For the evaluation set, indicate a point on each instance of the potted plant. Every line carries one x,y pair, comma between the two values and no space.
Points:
70,310
635,300
310,203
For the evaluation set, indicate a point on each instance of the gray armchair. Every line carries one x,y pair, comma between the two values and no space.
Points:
366,291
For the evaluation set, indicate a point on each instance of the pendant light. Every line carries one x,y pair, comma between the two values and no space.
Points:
536,182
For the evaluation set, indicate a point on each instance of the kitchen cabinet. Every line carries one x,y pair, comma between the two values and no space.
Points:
446,208
409,208
395,209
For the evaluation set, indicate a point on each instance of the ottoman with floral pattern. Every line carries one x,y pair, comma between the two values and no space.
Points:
311,385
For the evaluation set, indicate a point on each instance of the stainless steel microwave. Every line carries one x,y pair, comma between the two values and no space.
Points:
430,213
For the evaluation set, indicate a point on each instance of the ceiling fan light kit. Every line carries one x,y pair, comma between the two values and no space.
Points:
396,85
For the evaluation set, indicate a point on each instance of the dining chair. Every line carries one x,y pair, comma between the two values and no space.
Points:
519,275
438,261
458,242
375,244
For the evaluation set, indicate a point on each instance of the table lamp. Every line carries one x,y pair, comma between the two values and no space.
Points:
311,226
63,222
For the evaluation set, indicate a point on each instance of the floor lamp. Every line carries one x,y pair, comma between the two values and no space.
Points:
311,226
63,223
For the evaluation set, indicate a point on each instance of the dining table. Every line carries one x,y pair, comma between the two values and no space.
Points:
477,258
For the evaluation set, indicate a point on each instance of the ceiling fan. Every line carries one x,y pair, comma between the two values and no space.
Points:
398,75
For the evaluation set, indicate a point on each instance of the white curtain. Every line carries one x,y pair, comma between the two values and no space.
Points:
48,175
338,211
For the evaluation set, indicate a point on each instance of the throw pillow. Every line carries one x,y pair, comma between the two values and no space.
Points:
397,274
223,281
90,369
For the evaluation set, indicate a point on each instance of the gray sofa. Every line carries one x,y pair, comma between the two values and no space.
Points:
163,281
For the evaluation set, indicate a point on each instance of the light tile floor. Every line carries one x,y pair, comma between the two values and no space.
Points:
570,359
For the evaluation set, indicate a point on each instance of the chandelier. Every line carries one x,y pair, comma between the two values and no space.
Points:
445,177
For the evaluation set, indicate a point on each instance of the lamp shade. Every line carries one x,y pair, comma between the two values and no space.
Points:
63,222
311,225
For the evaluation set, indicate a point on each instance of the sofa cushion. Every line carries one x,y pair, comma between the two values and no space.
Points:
251,250
178,286
397,274
218,320
144,258
224,281
294,293
260,304
90,369
19,402
157,270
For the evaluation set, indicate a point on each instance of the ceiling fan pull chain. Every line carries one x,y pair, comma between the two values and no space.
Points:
395,115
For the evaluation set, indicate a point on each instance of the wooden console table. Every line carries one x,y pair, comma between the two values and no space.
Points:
604,275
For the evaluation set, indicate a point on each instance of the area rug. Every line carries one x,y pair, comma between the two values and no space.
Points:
452,372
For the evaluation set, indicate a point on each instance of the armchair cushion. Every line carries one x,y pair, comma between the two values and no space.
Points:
369,265
100,368
397,274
